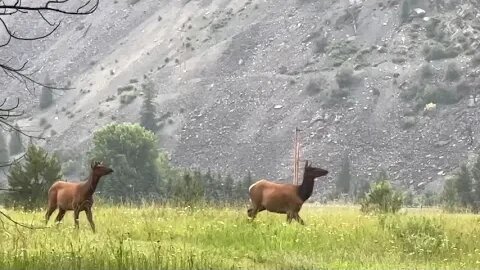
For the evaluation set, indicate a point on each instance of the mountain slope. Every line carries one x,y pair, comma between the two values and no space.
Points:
232,78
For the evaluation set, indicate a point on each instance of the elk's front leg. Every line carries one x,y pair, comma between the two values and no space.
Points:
76,213
88,211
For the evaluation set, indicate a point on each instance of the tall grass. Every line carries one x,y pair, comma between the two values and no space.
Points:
164,237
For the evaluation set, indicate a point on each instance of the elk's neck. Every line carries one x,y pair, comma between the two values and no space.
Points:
306,188
91,185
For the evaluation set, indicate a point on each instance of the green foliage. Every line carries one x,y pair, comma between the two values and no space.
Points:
419,236
31,178
450,194
189,189
131,151
453,72
382,199
463,184
46,97
15,144
344,177
4,156
148,111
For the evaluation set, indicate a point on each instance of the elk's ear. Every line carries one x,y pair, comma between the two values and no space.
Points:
92,164
306,163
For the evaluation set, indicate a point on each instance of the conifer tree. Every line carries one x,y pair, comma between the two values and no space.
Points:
148,111
31,178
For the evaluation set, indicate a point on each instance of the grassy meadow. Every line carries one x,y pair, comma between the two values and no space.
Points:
163,237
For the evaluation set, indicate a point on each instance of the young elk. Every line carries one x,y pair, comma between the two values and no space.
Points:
283,198
67,196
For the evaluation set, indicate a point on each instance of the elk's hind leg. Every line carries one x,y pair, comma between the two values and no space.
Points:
61,214
49,213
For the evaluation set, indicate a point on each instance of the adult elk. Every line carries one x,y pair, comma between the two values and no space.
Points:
76,197
283,198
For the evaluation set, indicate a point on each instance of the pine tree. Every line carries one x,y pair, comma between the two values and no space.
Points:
344,177
476,184
32,178
46,97
4,156
464,186
405,11
15,144
450,194
209,186
228,188
148,112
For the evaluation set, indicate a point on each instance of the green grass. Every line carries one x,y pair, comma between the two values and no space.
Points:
161,237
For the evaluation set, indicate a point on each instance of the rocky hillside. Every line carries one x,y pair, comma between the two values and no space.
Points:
390,83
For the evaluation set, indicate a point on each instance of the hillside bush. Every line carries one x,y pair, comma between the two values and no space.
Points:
345,76
453,72
315,86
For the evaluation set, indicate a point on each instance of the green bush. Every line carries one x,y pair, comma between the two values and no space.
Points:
320,45
131,151
345,76
426,72
438,95
438,52
382,199
31,178
314,86
453,72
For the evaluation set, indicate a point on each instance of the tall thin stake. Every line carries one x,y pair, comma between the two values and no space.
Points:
296,165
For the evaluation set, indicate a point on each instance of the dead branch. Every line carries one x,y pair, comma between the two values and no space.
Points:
43,10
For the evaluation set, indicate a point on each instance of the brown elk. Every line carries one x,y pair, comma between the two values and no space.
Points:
76,197
283,198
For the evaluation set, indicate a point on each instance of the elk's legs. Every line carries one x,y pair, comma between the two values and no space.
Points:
76,213
298,218
61,214
88,211
49,214
252,212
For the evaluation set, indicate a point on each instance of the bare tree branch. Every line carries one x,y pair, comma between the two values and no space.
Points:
42,9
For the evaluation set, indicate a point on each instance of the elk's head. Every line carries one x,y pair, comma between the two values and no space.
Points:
313,172
99,169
